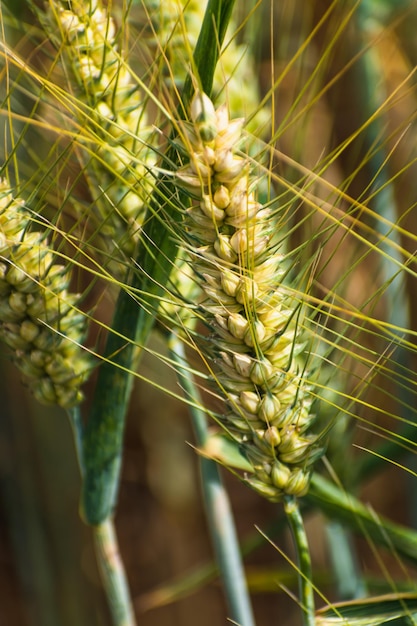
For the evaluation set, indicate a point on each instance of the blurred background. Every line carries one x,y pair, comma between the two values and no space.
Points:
324,67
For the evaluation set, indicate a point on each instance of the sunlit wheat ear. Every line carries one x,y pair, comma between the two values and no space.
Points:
255,347
119,177
38,320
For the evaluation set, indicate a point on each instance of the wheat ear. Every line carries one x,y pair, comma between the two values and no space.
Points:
255,347
119,170
39,320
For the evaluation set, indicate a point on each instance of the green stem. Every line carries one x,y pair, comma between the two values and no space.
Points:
75,418
109,563
218,510
295,521
113,574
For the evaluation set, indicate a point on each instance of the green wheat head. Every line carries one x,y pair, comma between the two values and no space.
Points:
39,319
255,346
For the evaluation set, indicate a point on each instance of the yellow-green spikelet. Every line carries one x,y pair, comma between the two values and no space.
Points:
38,320
255,344
119,179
